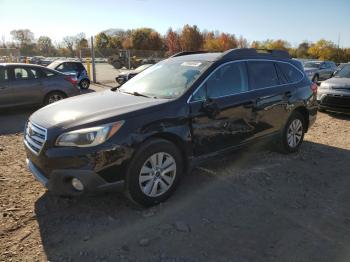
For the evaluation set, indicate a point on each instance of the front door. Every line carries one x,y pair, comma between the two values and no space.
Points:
221,110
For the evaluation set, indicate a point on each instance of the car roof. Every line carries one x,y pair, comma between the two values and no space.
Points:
21,64
199,57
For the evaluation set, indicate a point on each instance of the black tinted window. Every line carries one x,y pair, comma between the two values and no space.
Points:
26,73
262,74
288,71
48,73
228,80
3,74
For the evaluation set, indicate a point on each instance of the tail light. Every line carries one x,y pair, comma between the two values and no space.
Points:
314,88
72,80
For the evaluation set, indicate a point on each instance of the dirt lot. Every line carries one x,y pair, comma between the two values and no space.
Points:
255,205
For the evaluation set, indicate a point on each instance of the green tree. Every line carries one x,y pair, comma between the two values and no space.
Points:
22,36
191,38
44,45
102,40
146,39
322,49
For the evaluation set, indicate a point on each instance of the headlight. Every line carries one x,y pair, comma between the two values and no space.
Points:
87,137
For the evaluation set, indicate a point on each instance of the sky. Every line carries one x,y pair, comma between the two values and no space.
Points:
293,20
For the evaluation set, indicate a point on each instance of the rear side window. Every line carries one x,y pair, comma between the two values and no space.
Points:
48,73
262,74
288,71
230,79
26,73
3,74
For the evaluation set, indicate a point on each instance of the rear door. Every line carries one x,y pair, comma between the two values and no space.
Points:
271,93
221,112
25,85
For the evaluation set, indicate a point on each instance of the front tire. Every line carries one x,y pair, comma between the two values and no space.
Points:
154,172
293,133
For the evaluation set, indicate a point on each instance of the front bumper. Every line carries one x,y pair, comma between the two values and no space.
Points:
334,101
59,181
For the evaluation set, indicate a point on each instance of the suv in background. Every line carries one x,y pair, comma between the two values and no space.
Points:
27,84
72,67
319,71
148,133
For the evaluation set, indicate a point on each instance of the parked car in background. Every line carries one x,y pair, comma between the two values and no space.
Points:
334,93
340,67
128,74
148,133
27,84
319,70
72,67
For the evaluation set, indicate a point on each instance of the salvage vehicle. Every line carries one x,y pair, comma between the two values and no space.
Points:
148,133
30,85
72,67
128,74
334,94
319,70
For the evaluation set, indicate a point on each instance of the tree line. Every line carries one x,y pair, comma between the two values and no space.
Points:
188,38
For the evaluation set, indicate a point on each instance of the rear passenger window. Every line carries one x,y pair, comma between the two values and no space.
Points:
48,73
292,74
262,74
3,75
228,80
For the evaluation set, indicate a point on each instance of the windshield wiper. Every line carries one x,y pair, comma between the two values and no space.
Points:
137,94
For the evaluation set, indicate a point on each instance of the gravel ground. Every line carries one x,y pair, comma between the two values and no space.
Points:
255,205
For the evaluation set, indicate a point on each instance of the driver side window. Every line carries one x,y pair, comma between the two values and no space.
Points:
229,79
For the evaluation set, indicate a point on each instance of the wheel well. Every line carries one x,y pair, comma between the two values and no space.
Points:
177,141
305,113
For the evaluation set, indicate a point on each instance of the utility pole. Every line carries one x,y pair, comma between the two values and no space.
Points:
93,60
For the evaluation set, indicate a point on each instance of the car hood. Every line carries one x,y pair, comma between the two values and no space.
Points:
91,108
336,82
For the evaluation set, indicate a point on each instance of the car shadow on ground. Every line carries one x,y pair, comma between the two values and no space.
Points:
13,120
254,205
341,116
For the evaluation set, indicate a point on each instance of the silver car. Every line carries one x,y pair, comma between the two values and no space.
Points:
26,84
334,93
319,70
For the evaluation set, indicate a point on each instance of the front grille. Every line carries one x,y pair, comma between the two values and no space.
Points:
35,137
337,101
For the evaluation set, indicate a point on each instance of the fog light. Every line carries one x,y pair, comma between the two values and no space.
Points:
77,184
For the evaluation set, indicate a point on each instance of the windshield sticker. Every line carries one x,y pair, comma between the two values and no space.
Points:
194,64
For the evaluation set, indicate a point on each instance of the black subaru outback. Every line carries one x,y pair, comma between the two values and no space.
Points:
149,132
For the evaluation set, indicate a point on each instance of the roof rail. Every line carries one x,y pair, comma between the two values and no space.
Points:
188,53
252,52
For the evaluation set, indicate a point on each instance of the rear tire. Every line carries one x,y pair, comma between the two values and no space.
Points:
154,172
293,133
84,84
54,97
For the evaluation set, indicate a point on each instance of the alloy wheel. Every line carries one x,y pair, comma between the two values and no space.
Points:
157,174
54,98
295,133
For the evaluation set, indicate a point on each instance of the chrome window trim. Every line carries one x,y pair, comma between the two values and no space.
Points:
244,60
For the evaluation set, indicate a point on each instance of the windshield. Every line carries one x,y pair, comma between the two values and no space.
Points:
343,73
53,65
141,68
312,65
167,79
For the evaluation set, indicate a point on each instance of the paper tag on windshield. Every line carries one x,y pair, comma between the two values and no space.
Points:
194,64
